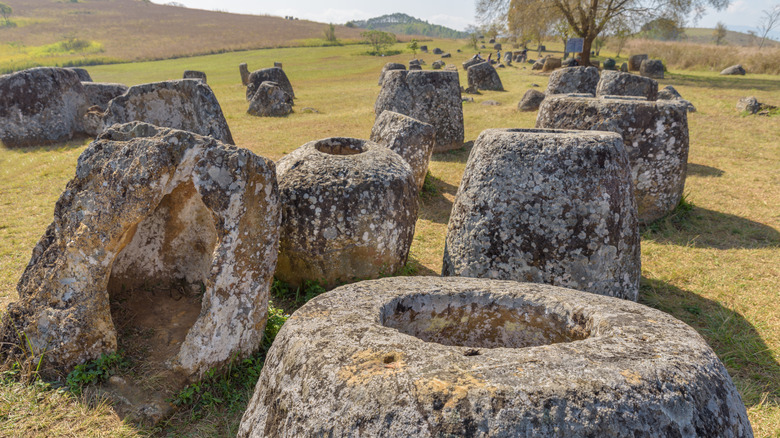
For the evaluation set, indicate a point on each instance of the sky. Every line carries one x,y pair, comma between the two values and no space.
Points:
456,14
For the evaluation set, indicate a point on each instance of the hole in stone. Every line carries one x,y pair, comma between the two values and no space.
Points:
389,358
341,146
482,320
156,286
539,131
471,352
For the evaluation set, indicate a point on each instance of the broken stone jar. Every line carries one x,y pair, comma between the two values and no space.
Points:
655,134
436,357
163,246
547,206
349,208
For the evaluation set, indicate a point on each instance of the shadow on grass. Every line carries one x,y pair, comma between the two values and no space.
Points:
702,170
730,82
434,205
454,156
734,339
703,228
76,143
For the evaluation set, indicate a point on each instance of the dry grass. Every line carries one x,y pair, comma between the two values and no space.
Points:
136,30
692,56
717,269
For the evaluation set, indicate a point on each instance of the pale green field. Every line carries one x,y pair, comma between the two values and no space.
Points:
718,269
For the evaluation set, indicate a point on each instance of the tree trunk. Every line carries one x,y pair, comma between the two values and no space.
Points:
586,46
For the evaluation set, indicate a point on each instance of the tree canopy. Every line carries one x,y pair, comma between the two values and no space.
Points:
588,18
6,11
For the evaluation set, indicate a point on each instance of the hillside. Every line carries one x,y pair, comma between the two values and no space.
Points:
733,38
403,24
129,30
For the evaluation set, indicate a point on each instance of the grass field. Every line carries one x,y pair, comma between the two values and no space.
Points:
716,267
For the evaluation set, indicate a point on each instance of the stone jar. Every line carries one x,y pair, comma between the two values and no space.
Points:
410,138
429,96
547,206
273,74
349,208
483,76
618,83
635,61
655,135
163,207
389,66
573,80
455,357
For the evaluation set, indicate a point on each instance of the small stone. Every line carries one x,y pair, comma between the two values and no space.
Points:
531,101
309,110
244,70
446,55
551,64
624,67
491,103
437,51
734,70
749,105
652,68
194,74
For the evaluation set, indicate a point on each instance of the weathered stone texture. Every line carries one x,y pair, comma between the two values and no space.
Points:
412,139
429,96
389,66
184,104
273,74
243,69
349,210
670,93
618,83
82,73
41,106
734,70
551,64
474,60
419,357
635,61
483,76
652,68
655,135
547,206
153,205
100,93
194,74
531,100
270,100
573,80
748,104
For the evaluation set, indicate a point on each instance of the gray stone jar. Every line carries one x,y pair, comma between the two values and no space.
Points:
547,206
349,208
447,357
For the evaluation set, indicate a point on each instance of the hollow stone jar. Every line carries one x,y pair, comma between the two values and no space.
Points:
434,357
349,208
547,206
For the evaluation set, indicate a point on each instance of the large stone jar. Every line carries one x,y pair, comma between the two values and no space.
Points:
412,139
655,135
153,208
446,357
547,206
429,96
349,208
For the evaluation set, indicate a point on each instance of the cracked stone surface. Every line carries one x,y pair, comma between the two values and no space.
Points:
483,76
153,205
99,94
655,135
410,138
41,106
186,104
573,80
389,66
270,100
618,83
445,357
547,206
349,208
273,74
429,96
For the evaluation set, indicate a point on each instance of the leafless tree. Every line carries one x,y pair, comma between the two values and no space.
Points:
769,21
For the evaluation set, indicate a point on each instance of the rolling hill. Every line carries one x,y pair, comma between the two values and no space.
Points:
407,25
130,30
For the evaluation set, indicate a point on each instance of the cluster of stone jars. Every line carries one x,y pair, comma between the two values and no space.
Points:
532,330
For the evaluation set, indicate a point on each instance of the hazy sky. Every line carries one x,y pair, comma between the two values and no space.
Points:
456,14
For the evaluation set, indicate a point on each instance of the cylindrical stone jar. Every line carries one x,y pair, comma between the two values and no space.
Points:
547,206
454,357
410,138
349,208
655,135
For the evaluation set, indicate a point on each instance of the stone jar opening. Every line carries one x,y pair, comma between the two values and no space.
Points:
482,320
341,146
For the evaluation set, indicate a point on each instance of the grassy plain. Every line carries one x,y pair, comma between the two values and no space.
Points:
717,267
